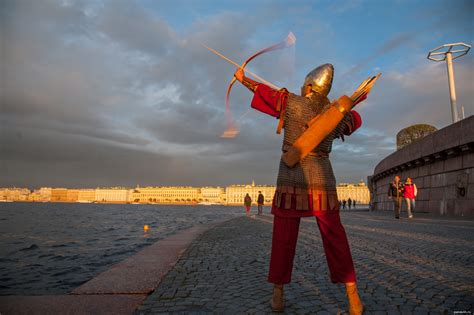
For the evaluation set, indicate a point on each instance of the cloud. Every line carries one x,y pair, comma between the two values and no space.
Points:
34,158
126,23
109,93
442,18
345,6
395,42
93,89
398,100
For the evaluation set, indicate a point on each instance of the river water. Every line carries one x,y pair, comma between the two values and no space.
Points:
52,248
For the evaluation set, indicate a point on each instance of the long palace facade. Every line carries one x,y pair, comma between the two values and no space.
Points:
230,195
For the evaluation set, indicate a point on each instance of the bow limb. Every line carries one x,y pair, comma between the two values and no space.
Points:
288,41
231,84
227,104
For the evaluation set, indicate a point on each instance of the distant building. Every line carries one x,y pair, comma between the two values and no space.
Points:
45,193
72,195
59,194
235,194
41,195
113,195
231,195
14,194
358,192
165,195
86,195
212,194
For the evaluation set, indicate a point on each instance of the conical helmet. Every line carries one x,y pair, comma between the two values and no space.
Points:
320,79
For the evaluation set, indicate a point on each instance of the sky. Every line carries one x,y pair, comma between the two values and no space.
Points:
122,93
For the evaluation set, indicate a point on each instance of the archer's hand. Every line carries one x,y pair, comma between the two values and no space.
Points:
239,74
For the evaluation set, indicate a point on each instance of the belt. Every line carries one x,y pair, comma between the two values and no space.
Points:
286,147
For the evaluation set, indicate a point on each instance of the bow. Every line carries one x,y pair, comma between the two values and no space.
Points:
231,130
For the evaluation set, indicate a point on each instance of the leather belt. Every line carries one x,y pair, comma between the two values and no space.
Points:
286,147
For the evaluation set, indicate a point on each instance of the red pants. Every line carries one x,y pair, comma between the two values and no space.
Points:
336,247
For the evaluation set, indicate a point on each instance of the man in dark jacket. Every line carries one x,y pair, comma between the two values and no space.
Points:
260,202
395,193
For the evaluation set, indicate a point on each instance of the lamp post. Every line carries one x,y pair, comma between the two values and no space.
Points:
449,52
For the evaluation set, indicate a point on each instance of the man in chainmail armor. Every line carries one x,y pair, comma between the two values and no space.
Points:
308,188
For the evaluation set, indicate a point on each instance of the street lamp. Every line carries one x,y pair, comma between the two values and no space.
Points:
449,52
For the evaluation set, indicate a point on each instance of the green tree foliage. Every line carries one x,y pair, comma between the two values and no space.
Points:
413,133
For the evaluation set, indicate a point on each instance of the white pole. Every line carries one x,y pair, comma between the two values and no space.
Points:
452,87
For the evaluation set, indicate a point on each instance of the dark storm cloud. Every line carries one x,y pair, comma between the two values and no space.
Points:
126,23
356,157
109,94
64,161
201,79
88,92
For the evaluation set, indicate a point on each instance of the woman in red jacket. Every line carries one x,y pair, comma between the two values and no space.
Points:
410,194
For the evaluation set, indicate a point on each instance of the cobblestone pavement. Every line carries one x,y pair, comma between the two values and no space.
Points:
418,266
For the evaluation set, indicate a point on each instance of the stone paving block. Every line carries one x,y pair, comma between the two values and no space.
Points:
425,256
70,304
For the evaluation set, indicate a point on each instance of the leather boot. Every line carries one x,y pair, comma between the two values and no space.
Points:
277,301
355,305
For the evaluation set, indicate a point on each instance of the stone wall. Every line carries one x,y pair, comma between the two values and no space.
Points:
442,167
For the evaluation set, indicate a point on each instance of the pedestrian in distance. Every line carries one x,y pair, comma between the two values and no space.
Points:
354,203
247,203
396,192
349,203
410,194
344,204
260,202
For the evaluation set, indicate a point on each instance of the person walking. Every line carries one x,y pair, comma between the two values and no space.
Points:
354,203
344,204
260,202
349,203
308,188
247,203
410,194
395,193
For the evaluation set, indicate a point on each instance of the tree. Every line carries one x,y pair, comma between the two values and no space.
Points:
413,133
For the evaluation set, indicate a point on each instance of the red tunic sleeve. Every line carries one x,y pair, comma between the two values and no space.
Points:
269,101
353,123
